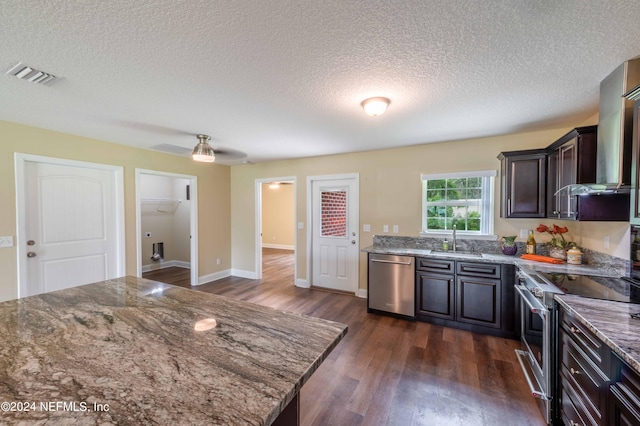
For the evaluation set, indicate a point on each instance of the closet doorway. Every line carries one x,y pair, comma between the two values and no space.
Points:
166,222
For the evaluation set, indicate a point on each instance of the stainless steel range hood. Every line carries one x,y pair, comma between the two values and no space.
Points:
615,126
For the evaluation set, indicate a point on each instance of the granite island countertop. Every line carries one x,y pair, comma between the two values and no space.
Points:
147,351
610,321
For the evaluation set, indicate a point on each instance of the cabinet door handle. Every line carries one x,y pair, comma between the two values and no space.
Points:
508,206
574,372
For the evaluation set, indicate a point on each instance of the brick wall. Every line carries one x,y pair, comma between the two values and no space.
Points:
334,214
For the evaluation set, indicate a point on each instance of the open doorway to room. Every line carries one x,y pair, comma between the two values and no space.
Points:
276,236
166,224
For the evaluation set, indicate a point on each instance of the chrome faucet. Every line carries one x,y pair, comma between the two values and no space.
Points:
453,243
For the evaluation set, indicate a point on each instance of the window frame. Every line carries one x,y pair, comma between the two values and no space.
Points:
487,204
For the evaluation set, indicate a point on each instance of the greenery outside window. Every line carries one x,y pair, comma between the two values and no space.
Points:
464,199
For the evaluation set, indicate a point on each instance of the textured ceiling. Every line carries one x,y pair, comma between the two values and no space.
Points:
280,79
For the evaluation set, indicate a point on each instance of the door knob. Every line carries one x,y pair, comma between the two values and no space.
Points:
31,254
31,242
353,241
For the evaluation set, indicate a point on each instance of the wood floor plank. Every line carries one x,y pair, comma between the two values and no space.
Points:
388,371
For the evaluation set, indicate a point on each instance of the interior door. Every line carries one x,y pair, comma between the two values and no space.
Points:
70,228
334,234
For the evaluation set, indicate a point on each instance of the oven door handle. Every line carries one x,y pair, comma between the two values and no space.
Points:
522,358
535,306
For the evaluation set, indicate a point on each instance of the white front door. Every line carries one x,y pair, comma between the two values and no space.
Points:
70,234
334,250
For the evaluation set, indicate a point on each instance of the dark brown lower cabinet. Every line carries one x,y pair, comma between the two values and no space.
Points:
435,295
624,395
474,296
596,387
478,301
583,373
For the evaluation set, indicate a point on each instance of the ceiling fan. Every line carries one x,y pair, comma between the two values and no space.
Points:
222,154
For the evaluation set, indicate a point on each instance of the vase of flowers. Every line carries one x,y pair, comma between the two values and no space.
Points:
558,245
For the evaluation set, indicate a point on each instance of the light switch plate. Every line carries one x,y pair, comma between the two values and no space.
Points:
366,228
395,229
6,241
385,228
524,233
300,225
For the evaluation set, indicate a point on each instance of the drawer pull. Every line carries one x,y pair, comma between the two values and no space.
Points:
574,372
575,330
572,423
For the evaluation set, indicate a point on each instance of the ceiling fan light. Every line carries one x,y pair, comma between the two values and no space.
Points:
203,152
375,106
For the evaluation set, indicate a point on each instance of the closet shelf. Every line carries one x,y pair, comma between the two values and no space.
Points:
159,205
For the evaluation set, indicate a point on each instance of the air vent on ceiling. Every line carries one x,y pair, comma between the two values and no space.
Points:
32,75
173,149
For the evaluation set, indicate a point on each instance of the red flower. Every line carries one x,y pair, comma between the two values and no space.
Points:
556,230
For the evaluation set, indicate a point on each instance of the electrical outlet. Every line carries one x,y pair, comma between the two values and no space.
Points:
366,228
300,225
6,241
218,260
524,233
606,242
395,229
385,228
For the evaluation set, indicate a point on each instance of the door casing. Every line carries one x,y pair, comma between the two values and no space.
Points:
356,225
193,221
258,226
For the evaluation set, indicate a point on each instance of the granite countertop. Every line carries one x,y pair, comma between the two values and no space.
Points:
491,258
133,345
611,322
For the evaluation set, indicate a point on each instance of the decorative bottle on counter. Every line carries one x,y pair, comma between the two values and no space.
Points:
531,243
445,245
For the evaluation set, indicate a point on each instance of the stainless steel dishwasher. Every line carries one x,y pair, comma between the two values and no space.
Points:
392,284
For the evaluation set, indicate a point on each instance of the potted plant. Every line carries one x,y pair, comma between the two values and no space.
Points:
558,245
508,245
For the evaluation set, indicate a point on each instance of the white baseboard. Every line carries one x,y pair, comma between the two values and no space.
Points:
302,283
166,264
362,293
214,276
278,246
244,274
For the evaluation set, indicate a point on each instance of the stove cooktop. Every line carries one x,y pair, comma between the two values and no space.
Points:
605,288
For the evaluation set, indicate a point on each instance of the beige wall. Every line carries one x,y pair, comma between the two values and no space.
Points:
278,215
390,192
214,236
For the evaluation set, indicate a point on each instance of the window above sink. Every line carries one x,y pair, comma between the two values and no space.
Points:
463,199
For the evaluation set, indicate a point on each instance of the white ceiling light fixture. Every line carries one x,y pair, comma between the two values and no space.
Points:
375,106
203,152
274,185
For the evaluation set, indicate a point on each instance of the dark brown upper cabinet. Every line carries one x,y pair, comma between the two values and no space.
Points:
635,167
570,160
523,183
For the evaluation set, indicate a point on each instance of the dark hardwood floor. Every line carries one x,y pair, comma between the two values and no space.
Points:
388,371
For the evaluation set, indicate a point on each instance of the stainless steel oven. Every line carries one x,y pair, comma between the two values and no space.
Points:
537,330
